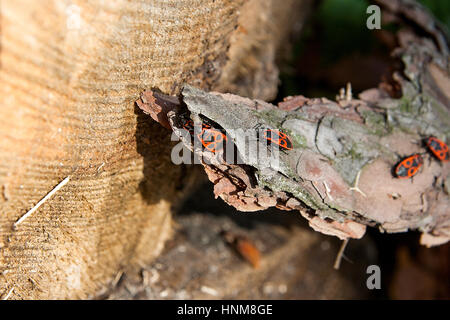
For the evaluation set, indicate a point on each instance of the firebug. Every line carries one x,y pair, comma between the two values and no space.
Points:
212,139
279,138
438,148
409,166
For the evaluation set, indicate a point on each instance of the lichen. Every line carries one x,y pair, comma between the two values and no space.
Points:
273,118
376,122
280,184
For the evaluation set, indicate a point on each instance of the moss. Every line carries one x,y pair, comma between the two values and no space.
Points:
354,154
298,140
376,122
405,105
273,117
299,193
440,114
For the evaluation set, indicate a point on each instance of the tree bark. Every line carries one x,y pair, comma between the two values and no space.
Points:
339,168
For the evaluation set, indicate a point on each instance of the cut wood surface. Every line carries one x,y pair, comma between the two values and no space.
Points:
70,74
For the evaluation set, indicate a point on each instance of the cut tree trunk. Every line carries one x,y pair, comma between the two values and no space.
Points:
69,77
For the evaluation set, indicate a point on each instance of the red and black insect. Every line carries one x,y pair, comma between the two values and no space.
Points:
409,166
189,126
438,148
212,139
279,138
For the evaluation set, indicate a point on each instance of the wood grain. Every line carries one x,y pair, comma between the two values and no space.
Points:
70,73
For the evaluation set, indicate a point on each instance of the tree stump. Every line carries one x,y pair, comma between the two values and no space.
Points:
69,77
